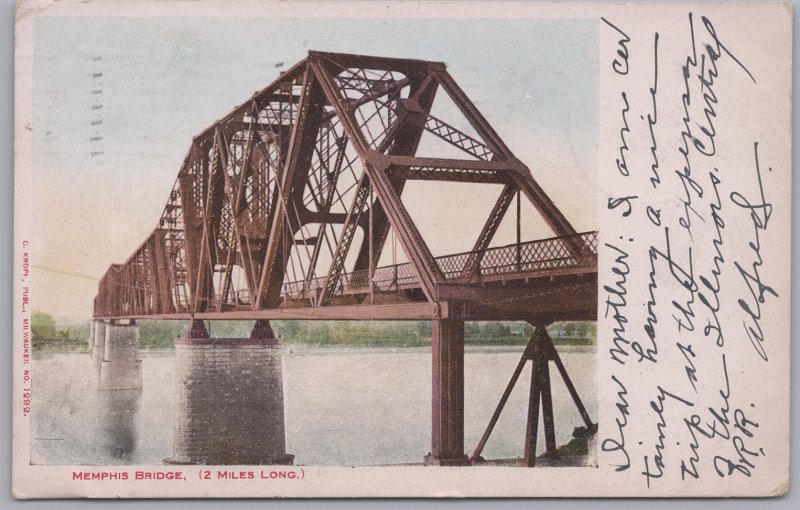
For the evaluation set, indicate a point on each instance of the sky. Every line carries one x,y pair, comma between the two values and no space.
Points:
161,81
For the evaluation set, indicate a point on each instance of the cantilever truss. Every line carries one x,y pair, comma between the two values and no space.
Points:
267,204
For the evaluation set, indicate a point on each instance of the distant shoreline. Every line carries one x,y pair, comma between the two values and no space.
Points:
56,347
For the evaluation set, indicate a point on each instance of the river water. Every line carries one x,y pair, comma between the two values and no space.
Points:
343,406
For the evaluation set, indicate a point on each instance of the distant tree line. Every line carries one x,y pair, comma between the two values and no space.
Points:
45,334
162,333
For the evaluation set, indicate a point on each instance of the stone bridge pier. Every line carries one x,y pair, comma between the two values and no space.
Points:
229,399
97,340
115,350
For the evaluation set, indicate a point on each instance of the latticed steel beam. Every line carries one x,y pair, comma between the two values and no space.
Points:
348,232
448,163
389,88
404,141
160,267
236,196
471,112
403,65
299,157
328,202
488,231
413,243
557,221
226,233
458,138
263,95
426,173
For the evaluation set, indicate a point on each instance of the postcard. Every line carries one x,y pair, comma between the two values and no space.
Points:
401,249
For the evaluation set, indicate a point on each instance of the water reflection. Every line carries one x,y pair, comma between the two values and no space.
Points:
117,432
334,414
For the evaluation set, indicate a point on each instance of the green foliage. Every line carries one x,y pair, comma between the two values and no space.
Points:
573,333
156,334
418,333
424,329
356,333
46,335
161,334
493,333
527,330
43,327
230,329
578,445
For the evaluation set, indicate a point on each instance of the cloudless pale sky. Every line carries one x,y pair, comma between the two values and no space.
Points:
166,79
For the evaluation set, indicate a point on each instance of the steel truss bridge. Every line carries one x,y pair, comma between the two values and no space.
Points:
283,208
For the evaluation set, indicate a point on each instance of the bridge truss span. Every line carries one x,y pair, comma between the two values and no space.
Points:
284,207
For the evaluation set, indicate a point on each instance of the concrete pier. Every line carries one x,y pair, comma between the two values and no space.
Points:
229,399
120,368
90,340
117,436
98,337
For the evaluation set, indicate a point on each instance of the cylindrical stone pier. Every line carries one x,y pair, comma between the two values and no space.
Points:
229,400
90,340
98,341
116,429
121,366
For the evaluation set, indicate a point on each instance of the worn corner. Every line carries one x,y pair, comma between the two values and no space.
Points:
780,491
26,8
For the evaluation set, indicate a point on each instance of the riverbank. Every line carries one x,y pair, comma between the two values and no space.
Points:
378,343
290,349
159,334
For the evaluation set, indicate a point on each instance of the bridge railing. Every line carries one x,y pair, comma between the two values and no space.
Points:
542,255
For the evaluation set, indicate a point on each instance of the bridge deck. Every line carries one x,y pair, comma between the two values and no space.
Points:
508,282
533,259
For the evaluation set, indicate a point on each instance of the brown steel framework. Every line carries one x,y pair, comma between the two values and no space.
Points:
282,209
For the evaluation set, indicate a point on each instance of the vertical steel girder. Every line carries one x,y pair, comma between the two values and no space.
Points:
447,418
